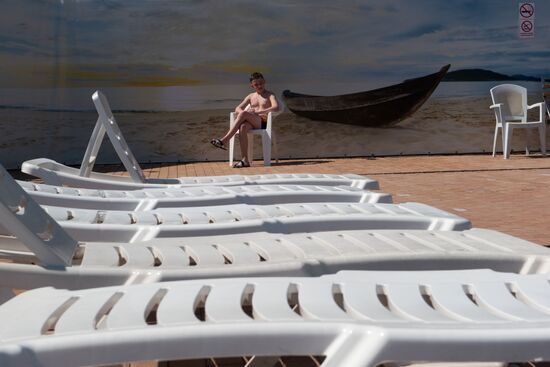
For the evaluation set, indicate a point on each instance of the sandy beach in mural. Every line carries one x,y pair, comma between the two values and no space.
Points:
442,125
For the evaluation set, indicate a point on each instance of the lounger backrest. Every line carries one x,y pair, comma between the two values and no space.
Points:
21,216
513,99
107,123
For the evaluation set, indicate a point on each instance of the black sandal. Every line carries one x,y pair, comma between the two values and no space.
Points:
241,164
218,144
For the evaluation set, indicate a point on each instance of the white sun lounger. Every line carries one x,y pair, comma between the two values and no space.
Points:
64,262
149,199
352,319
58,174
93,264
123,226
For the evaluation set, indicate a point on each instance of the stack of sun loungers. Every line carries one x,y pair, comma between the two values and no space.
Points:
263,268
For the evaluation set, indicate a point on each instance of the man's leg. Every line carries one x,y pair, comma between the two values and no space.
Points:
243,141
254,120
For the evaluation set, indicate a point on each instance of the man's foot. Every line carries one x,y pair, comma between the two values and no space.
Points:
218,144
241,164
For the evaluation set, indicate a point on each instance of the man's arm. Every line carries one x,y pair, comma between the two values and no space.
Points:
242,106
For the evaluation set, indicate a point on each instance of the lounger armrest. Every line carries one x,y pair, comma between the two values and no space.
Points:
496,105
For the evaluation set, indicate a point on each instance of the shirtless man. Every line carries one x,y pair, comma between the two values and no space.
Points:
251,114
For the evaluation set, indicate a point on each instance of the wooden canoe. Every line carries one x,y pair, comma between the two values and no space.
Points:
375,108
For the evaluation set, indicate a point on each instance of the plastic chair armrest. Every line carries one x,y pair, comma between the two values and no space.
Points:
539,105
497,107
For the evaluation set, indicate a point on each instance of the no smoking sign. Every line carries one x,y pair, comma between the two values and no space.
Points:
526,14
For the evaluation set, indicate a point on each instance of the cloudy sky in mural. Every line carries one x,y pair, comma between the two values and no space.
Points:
149,43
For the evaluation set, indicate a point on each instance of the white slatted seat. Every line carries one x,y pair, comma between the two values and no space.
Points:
58,174
95,264
350,318
148,199
126,226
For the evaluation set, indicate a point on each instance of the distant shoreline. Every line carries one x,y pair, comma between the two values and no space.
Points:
482,75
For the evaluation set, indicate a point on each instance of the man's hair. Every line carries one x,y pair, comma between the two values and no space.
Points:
255,76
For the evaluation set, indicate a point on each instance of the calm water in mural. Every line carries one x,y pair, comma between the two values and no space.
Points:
202,97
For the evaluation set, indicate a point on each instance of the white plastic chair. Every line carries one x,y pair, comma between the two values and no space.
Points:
352,319
510,107
150,199
267,134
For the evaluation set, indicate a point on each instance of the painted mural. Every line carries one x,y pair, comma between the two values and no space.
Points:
173,70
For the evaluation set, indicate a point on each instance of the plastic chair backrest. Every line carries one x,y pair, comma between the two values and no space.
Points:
513,99
106,123
24,218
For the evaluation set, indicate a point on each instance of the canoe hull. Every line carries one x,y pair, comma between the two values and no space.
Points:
376,108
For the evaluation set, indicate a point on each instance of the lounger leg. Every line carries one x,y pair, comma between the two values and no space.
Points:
495,140
542,136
